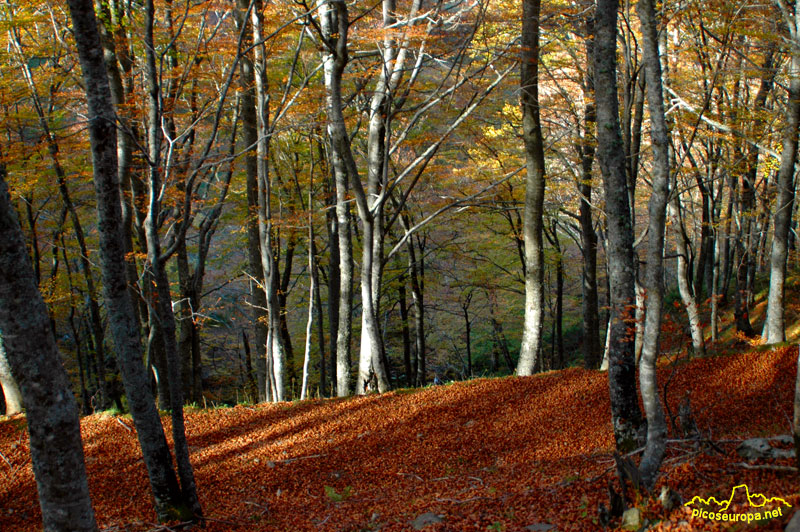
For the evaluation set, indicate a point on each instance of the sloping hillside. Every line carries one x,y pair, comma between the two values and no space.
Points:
498,454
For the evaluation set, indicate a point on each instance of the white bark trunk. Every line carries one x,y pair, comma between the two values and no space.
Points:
11,393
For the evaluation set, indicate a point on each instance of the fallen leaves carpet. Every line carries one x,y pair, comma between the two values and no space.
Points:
489,454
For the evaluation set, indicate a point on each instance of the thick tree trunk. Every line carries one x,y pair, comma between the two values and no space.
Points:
122,318
531,347
334,22
625,413
53,425
11,393
775,327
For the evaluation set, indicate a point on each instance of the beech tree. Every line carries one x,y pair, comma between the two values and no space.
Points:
53,425
171,499
654,283
11,394
531,347
625,413
774,327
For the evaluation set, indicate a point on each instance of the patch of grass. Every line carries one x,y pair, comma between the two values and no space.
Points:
335,496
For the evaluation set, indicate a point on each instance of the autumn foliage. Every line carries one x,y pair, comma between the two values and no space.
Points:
489,454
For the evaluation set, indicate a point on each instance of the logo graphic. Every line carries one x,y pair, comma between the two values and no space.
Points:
718,510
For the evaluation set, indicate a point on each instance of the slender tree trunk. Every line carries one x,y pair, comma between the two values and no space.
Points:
312,268
775,327
334,22
625,413
10,388
531,347
334,277
706,241
258,300
416,268
405,332
654,283
275,346
745,267
323,378
589,300
122,318
163,302
684,279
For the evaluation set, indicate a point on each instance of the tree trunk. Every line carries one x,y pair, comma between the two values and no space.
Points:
775,327
53,424
122,318
11,393
684,279
416,268
589,300
334,281
405,332
334,22
654,283
312,268
745,267
258,300
275,346
625,413
163,298
531,347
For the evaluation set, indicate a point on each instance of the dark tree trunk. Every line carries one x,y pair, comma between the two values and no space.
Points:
401,295
258,300
589,301
625,413
53,425
122,318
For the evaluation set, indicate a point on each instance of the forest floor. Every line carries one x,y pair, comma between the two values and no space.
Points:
504,454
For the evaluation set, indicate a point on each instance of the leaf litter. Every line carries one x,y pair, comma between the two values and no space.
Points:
488,454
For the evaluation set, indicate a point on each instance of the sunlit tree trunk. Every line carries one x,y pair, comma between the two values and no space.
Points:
684,281
333,21
275,346
654,282
531,347
775,327
10,388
